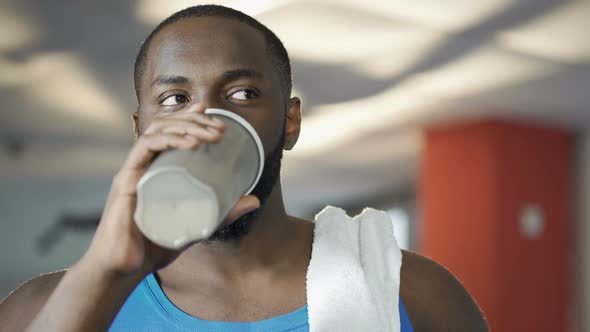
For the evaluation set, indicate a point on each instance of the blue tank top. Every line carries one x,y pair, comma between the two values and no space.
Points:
148,309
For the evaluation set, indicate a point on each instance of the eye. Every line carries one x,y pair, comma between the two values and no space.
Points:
173,100
244,94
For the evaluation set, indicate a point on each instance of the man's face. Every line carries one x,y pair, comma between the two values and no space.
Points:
218,63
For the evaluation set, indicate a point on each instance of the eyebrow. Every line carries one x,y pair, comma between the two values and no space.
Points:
227,76
169,79
232,75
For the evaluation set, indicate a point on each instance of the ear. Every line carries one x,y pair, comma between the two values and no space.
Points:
135,119
293,125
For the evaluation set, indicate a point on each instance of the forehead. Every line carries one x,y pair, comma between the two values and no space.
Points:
206,45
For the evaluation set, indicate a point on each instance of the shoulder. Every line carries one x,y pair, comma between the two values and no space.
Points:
19,308
434,299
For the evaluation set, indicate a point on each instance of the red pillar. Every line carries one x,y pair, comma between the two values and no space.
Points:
476,179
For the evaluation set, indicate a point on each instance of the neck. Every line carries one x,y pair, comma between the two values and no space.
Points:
275,242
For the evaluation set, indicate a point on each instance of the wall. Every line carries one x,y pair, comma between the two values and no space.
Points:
582,268
476,181
31,207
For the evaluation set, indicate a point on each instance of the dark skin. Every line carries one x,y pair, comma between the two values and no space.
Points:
258,276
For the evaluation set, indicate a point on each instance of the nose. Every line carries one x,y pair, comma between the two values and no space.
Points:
197,107
203,99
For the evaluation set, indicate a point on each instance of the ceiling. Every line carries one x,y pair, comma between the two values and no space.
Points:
371,75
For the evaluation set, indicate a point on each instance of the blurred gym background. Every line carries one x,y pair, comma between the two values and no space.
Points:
469,121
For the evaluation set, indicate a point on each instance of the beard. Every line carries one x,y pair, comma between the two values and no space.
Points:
269,177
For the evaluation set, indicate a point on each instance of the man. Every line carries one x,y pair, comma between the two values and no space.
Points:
253,269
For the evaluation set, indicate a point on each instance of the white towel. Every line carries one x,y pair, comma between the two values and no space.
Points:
353,277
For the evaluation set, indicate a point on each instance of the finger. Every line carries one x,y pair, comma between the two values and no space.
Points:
148,146
245,205
159,125
192,117
206,119
209,135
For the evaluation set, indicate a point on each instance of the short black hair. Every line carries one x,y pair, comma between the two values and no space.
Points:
277,53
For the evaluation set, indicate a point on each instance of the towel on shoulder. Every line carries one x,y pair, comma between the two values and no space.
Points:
353,277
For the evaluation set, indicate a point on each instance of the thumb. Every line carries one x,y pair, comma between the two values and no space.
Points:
246,204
